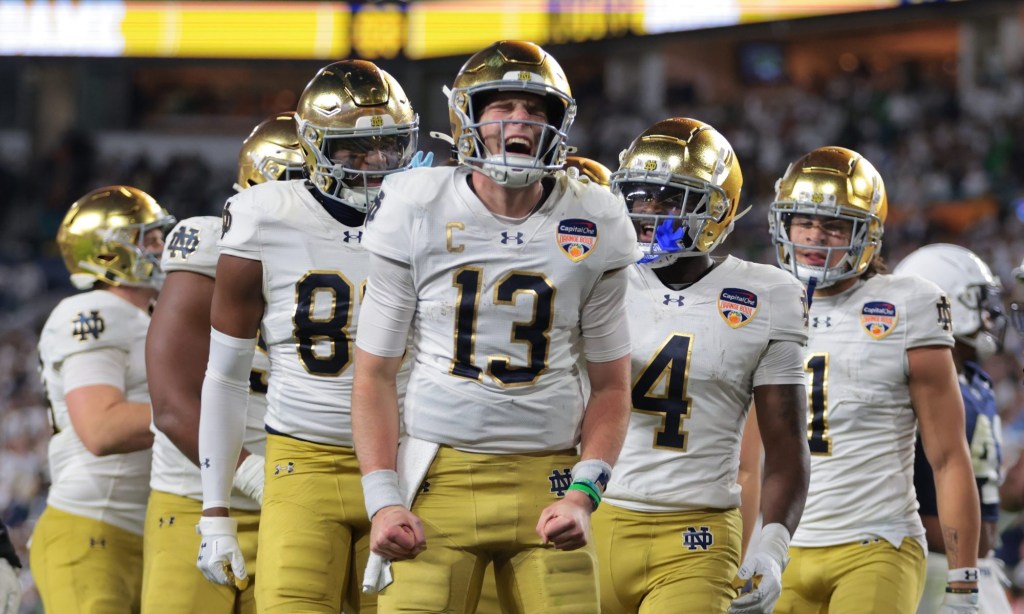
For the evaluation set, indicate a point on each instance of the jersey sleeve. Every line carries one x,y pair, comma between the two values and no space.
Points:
192,246
240,227
788,302
927,313
621,237
389,222
88,323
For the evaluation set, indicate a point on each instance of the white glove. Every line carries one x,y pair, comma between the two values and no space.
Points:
220,556
249,477
960,603
10,589
766,563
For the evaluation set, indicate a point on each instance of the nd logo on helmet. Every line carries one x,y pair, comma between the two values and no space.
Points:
376,121
524,76
650,165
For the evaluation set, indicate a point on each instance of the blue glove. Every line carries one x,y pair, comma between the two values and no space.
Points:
421,159
667,238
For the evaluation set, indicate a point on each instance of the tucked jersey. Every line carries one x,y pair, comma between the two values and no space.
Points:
314,271
861,424
114,488
984,436
695,360
192,247
498,304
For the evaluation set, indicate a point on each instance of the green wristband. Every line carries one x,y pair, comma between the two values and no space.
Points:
588,488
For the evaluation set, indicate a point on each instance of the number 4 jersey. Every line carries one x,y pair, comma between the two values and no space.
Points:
862,424
497,330
696,360
314,269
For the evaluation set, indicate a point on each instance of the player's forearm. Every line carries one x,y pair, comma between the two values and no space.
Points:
375,411
120,428
959,513
607,413
784,488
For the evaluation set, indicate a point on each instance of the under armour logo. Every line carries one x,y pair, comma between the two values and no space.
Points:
289,468
353,237
85,325
425,487
560,482
205,464
97,543
694,538
945,315
170,521
669,300
825,322
183,243
506,238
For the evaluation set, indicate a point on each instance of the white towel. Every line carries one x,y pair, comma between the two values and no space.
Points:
414,459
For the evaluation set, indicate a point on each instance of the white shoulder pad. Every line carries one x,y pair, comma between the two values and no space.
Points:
89,321
192,246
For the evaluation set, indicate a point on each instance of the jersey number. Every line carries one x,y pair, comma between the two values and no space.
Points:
534,334
817,402
668,371
313,331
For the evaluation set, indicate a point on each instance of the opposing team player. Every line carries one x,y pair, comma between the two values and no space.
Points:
709,336
509,277
291,256
176,347
979,327
86,552
879,368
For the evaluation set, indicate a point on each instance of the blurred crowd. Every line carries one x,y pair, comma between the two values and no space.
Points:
951,159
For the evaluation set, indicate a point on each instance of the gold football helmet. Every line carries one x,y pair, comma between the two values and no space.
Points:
681,181
589,170
355,125
836,183
103,237
519,67
270,153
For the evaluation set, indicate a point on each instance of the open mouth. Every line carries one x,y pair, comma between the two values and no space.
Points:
812,257
519,146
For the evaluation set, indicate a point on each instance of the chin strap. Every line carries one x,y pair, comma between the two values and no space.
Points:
812,283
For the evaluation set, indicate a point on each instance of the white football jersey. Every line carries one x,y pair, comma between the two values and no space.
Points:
861,425
497,326
314,274
192,247
695,360
115,488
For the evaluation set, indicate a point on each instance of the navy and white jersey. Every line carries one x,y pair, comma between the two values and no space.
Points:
984,436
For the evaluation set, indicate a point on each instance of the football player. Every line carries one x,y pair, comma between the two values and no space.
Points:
879,368
86,552
979,327
510,276
709,337
291,256
181,328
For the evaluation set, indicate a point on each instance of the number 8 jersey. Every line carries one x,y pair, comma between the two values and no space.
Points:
314,269
497,330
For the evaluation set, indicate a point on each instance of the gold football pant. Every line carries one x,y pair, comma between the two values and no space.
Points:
82,566
869,577
479,508
657,562
314,534
171,582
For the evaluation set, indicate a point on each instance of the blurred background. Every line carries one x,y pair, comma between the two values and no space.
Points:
160,95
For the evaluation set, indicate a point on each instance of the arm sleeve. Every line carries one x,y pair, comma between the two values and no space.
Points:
603,319
781,363
102,366
927,314
222,419
385,315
